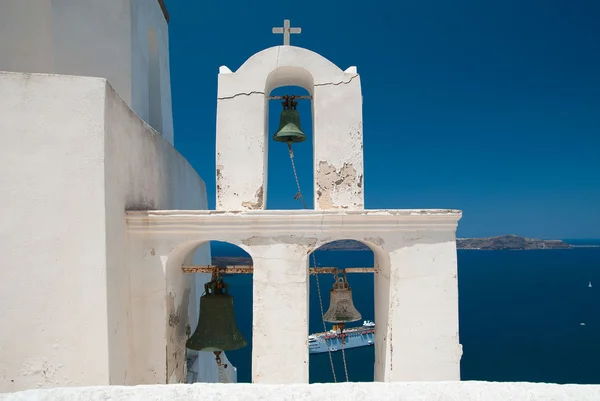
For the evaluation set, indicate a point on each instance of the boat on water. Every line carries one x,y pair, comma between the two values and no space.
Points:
351,337
590,284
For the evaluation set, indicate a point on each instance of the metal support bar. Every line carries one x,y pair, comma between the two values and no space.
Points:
281,97
248,269
337,270
234,269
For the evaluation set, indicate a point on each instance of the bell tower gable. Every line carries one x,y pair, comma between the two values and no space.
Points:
243,134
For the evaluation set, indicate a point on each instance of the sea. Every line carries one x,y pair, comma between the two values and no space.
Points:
523,315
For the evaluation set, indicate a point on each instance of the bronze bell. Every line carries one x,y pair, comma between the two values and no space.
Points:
216,330
341,307
289,123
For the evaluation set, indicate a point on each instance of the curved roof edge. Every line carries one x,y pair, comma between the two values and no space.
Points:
282,51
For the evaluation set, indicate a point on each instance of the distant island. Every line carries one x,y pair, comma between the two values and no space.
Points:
502,242
508,242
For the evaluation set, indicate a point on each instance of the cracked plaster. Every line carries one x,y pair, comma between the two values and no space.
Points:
258,202
337,83
176,336
333,185
331,83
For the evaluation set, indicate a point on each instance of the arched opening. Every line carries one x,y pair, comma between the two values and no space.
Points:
280,177
154,92
236,364
358,353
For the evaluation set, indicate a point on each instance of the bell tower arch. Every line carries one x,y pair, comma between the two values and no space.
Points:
243,134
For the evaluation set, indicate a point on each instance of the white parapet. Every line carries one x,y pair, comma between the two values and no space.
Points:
440,391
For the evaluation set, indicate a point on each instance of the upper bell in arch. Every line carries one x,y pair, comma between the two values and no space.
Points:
341,307
289,130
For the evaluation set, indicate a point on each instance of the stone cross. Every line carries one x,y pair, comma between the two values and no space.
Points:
286,30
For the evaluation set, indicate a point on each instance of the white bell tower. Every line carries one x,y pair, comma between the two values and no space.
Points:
243,135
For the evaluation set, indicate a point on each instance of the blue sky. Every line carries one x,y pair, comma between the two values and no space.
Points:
488,107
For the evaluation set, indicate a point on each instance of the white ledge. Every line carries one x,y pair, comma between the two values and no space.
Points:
304,212
292,222
439,391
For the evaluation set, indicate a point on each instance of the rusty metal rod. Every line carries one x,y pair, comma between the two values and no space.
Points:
249,269
281,97
234,269
336,270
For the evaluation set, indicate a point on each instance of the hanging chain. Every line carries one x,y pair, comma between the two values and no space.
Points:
221,379
223,374
344,356
299,194
342,331
323,320
301,197
220,367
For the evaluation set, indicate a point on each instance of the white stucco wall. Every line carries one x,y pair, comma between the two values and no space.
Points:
73,284
107,39
442,391
243,134
416,295
52,232
280,305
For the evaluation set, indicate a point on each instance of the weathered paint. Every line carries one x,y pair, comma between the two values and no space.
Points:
178,320
258,202
342,185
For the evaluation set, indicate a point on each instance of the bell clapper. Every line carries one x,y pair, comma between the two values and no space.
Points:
341,326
